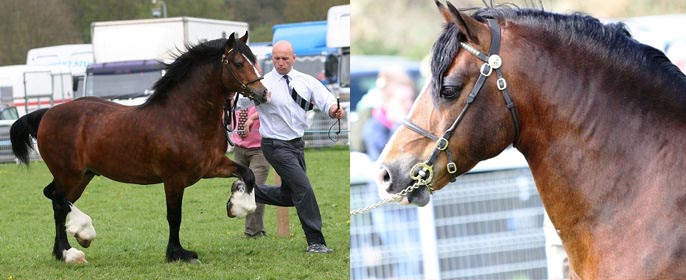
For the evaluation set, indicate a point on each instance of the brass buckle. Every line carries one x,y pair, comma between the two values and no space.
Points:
442,144
421,170
452,167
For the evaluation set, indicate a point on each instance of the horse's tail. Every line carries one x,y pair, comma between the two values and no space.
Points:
21,132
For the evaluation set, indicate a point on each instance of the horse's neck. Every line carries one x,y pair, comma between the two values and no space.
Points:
595,153
199,98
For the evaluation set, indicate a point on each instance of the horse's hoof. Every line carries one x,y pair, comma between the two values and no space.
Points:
85,243
184,256
73,255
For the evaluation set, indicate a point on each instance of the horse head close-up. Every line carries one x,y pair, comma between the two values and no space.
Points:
240,65
440,139
598,116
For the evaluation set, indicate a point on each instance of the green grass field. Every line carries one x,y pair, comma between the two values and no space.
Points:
132,230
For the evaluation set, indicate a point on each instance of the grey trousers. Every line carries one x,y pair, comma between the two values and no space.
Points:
288,160
254,159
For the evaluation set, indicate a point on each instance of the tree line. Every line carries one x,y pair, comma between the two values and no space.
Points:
27,24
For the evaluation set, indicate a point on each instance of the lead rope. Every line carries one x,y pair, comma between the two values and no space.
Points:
229,117
394,198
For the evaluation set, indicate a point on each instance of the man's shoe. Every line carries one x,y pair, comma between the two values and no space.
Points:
318,248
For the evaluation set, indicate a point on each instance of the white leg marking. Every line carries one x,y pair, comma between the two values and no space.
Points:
242,203
73,255
80,225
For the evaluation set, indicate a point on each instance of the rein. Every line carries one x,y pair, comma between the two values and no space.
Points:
229,117
424,170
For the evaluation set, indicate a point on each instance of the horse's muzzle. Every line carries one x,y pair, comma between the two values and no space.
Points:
390,181
261,97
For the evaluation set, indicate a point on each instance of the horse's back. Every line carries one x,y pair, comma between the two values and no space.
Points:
90,134
70,119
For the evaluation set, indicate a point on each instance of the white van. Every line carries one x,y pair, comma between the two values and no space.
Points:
30,87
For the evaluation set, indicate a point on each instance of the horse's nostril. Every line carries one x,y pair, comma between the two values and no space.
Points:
384,176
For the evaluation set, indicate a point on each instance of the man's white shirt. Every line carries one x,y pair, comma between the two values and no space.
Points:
284,119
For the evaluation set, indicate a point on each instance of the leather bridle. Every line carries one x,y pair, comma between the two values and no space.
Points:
423,171
244,86
229,117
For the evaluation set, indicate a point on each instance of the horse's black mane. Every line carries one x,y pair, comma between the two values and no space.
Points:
203,53
612,41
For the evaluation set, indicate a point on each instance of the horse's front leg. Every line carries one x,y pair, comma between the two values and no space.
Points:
175,252
242,200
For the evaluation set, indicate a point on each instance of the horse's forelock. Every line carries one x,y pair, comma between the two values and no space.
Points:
444,51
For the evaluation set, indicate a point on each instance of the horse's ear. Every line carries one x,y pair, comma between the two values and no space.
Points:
474,30
230,42
244,39
446,14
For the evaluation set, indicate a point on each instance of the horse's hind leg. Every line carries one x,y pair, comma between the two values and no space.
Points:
79,225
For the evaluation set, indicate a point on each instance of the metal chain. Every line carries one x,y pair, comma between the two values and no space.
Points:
395,197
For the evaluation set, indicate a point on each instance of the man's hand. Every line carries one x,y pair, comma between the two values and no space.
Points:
336,113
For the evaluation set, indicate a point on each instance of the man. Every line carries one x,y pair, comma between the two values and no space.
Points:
247,151
282,125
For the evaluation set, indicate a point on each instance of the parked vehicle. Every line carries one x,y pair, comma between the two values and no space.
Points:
75,57
29,87
125,82
8,114
337,65
158,39
309,45
129,54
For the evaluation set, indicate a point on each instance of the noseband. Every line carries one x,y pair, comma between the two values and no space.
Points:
423,171
244,86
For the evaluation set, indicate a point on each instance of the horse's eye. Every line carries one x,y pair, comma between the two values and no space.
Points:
238,64
450,91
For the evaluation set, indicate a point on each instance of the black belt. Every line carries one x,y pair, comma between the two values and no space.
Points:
272,140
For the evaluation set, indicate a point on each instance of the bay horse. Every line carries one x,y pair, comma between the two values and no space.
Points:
176,137
599,117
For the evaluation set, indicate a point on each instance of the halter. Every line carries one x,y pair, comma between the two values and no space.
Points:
228,109
244,86
423,171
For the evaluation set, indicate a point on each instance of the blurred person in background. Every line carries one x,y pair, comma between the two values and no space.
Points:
248,152
392,99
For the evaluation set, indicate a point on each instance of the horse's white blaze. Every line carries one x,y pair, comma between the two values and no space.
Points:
254,68
242,203
80,224
73,255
